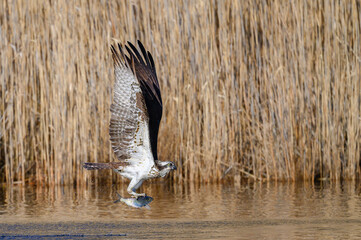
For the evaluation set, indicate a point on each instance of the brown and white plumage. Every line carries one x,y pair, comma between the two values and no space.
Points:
136,112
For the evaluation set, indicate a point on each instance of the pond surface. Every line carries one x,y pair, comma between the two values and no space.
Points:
324,210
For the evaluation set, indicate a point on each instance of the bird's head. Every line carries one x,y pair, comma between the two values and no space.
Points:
165,167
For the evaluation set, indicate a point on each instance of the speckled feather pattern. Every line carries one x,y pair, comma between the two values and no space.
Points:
129,133
136,112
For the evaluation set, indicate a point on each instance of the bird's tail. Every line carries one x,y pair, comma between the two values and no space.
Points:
96,166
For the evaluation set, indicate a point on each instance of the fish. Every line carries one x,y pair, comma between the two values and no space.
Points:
139,202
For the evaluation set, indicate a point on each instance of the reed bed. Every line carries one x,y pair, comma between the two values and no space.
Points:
262,90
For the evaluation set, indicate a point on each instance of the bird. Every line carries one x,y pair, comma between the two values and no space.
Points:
136,112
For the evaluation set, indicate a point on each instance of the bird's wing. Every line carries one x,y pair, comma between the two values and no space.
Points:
129,122
144,69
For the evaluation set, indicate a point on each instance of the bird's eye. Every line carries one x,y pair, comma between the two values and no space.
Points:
170,164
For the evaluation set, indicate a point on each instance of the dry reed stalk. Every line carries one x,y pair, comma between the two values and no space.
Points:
269,88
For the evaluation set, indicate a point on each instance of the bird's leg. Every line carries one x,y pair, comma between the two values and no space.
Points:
133,185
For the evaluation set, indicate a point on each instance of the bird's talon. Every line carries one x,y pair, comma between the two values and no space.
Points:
137,195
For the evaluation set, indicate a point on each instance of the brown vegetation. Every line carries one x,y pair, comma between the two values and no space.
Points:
255,89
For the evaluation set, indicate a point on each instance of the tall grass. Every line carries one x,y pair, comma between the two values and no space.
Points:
251,89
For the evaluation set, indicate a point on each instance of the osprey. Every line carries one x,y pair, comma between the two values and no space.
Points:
136,112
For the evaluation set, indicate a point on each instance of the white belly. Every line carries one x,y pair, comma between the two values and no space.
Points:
140,170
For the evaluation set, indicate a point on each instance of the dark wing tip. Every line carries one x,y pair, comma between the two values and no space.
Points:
144,52
131,54
112,47
151,60
135,51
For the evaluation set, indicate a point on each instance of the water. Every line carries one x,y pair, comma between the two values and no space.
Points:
256,211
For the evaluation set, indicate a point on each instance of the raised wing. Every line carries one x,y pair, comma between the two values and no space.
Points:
146,74
129,128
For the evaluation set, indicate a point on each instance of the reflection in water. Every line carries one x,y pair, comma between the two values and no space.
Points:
138,202
259,210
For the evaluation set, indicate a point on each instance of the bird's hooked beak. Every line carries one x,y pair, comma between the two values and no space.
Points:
174,167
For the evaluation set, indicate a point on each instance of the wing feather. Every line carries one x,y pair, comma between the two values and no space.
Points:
129,122
145,72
